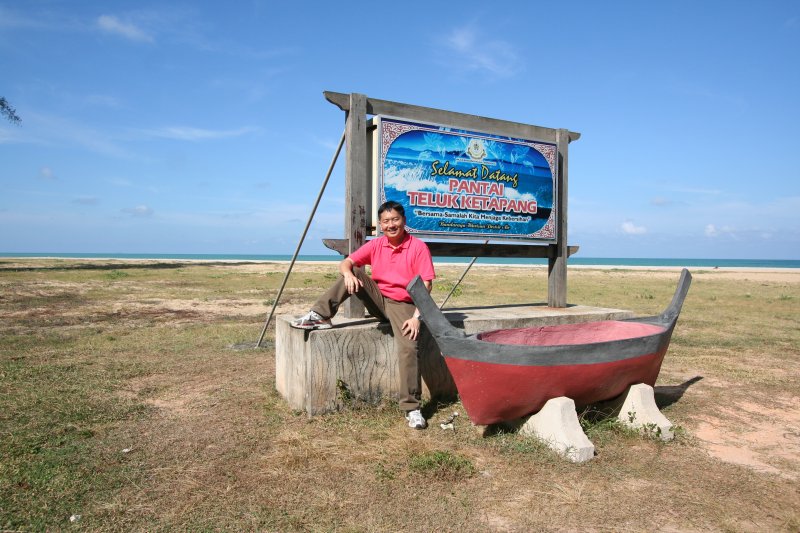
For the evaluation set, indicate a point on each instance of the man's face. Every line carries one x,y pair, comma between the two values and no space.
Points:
392,223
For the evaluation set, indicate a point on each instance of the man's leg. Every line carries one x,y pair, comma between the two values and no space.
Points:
328,304
407,357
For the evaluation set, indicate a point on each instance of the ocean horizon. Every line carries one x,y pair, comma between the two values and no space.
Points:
585,261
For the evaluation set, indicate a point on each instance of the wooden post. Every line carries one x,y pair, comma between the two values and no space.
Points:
355,193
557,260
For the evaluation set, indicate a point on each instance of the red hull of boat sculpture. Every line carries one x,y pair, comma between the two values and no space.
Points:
493,392
507,374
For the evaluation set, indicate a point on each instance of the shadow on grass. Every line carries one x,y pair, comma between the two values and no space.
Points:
666,395
435,405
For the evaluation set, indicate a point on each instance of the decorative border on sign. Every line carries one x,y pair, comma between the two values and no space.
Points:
548,231
391,130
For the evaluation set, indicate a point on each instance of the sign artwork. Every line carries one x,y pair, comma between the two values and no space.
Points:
462,183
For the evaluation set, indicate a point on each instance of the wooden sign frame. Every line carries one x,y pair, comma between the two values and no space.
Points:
357,107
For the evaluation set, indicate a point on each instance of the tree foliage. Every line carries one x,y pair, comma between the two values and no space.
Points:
8,111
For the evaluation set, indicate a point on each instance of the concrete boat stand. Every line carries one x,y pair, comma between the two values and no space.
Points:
325,370
557,425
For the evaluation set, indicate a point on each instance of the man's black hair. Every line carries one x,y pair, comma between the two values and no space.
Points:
391,205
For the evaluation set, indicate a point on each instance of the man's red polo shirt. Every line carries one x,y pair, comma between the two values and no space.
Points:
393,268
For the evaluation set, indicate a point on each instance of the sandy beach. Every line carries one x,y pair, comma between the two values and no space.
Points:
770,273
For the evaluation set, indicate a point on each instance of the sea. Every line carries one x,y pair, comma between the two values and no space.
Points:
621,262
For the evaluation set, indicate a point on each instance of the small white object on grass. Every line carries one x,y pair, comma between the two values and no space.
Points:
449,423
74,518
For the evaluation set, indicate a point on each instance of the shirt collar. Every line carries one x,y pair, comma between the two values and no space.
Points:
403,244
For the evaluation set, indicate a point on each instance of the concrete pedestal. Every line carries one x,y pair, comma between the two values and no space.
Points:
321,371
638,410
557,425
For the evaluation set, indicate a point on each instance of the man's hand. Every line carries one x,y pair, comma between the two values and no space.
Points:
411,328
352,283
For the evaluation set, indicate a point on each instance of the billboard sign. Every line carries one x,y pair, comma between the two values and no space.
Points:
459,183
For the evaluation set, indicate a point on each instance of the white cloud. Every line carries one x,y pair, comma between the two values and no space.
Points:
102,100
183,133
693,191
50,130
85,200
660,201
496,57
10,19
113,25
119,182
7,136
328,144
15,20
139,211
630,228
712,231
46,173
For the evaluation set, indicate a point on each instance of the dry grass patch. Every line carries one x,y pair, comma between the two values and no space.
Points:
122,400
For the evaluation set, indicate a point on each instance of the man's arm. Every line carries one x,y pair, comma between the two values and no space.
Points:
351,282
428,285
411,326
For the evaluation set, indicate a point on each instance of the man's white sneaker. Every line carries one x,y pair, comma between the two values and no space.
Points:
311,320
416,420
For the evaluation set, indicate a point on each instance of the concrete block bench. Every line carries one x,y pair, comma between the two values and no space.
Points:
322,371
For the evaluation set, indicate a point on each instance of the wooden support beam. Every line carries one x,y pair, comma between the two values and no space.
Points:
557,262
355,223
375,106
465,249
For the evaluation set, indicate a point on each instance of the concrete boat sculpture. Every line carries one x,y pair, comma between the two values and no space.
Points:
506,374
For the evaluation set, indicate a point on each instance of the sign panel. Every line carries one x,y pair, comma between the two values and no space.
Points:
458,183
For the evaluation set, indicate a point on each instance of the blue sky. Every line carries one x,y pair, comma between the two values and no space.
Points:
200,127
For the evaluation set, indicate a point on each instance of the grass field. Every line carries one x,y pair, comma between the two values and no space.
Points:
127,403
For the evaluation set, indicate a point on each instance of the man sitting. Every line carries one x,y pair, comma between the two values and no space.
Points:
396,258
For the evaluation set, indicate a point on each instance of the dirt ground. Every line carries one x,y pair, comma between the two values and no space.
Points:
210,424
745,433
